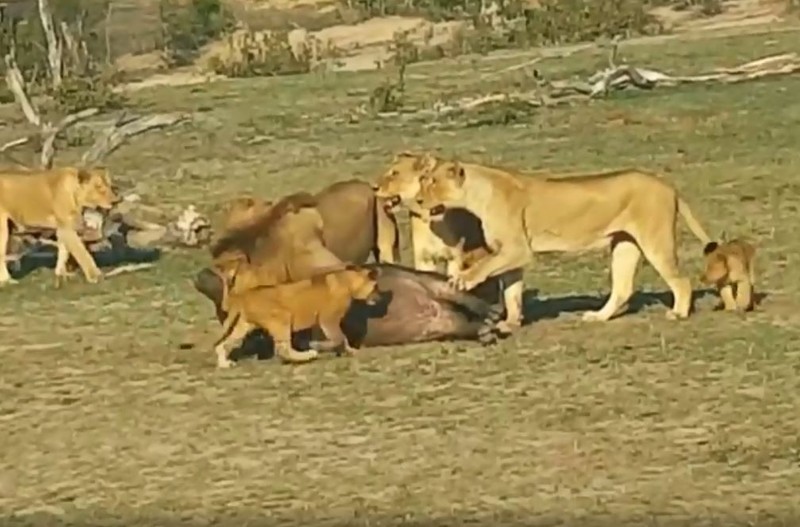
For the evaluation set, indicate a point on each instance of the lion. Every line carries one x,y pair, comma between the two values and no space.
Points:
54,199
631,211
730,265
466,259
286,244
322,300
438,241
242,211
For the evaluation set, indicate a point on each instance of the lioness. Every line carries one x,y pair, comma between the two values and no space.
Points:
729,265
279,310
446,237
432,241
53,199
632,211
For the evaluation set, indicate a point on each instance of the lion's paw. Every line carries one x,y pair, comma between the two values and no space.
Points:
594,316
224,364
672,315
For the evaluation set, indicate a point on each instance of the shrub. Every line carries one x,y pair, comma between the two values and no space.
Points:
186,28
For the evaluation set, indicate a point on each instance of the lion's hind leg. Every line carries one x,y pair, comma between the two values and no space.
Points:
662,255
625,256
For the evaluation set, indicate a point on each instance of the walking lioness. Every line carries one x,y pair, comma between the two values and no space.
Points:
53,199
632,211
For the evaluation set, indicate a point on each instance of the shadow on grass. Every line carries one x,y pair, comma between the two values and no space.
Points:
258,344
119,254
535,309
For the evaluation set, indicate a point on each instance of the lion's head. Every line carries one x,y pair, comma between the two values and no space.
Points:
715,264
243,211
401,181
363,283
94,189
441,187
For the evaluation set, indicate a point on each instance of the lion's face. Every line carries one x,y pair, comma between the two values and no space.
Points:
716,268
243,211
401,181
441,187
95,189
364,285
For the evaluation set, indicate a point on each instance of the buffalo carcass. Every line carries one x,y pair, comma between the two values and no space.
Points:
417,306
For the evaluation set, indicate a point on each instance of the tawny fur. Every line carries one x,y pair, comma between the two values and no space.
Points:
280,310
730,267
53,199
438,241
631,211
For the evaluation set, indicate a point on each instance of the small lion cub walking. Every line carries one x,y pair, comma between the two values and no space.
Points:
727,265
283,309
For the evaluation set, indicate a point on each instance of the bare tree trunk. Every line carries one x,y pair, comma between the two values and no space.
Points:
109,55
53,43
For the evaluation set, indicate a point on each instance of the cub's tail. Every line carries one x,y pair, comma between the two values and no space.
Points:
691,221
487,334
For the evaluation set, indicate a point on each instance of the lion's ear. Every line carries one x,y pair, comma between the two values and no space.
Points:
84,175
710,248
374,273
429,161
404,154
456,172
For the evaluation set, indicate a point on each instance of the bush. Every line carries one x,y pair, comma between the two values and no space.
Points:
569,21
261,54
186,28
78,93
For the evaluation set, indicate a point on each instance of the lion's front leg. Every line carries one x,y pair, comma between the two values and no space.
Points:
73,243
507,259
61,272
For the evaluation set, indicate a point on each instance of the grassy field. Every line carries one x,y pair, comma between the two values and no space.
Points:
640,421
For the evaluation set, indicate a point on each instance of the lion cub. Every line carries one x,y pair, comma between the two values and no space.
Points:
282,309
730,264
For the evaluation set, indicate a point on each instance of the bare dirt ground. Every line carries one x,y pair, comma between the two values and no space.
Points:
106,420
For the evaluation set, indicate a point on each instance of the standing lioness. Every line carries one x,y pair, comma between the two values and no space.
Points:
53,199
632,211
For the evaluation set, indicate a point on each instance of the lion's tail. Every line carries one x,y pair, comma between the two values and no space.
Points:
686,213
486,333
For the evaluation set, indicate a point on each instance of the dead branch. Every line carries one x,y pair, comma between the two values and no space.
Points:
14,143
16,84
50,132
54,50
614,77
123,129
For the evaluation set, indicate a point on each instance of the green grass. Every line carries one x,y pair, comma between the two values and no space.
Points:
631,422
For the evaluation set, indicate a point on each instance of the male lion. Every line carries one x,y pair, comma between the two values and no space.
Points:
285,244
53,199
322,300
632,211
729,265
